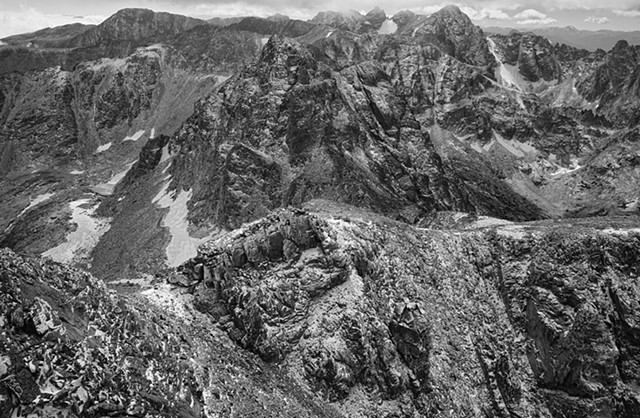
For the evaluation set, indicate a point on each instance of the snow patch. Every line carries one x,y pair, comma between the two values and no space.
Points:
35,202
388,27
509,146
564,170
476,146
153,133
517,148
151,51
118,63
264,41
508,75
76,172
80,242
135,136
182,246
329,34
222,78
631,206
104,147
165,154
163,296
513,231
106,189
488,221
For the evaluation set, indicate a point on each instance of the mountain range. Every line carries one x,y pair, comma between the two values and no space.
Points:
357,215
577,38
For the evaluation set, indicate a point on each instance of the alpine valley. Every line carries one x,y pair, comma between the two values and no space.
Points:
358,215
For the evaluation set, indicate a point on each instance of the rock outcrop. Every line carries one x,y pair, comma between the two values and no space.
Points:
70,347
614,85
382,318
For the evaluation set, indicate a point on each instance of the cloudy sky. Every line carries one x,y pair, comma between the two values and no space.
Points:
18,16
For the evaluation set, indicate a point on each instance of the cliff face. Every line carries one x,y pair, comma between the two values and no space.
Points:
614,84
288,130
533,55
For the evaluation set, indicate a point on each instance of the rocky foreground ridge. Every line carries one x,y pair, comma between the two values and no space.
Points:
348,314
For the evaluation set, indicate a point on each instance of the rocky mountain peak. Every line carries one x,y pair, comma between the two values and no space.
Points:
456,35
351,20
620,45
136,24
533,54
281,25
452,10
279,47
131,13
331,16
284,60
403,18
376,16
452,15
278,17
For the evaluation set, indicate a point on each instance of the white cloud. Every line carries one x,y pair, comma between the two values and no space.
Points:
482,14
530,14
627,13
427,10
533,17
597,20
551,5
546,21
474,13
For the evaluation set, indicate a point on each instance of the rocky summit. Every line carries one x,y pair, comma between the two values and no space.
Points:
358,215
